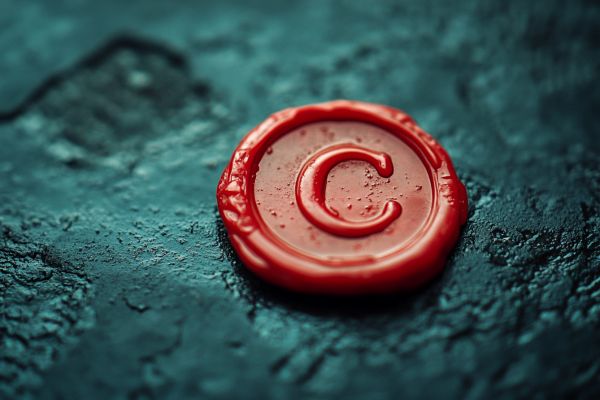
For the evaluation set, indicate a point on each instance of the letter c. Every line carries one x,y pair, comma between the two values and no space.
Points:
311,183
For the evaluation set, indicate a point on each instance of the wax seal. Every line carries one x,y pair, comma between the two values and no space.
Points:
343,197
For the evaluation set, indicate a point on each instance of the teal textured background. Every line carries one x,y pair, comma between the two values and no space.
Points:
118,281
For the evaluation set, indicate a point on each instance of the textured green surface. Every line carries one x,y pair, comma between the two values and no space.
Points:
117,280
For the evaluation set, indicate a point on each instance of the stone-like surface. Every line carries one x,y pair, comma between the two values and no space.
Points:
117,280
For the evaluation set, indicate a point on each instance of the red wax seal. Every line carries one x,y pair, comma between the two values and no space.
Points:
342,197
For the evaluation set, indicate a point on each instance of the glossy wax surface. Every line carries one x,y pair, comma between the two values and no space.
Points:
354,189
343,197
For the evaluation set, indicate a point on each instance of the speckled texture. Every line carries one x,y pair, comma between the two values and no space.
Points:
116,276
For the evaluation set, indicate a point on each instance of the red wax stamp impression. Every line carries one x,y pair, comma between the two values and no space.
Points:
342,197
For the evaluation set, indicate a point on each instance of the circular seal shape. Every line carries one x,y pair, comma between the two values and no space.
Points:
342,197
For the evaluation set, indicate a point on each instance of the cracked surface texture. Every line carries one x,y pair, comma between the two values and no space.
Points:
117,279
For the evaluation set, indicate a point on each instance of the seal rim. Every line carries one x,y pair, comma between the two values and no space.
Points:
273,259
